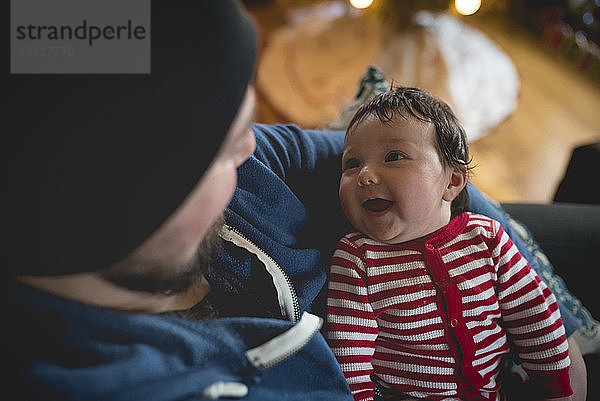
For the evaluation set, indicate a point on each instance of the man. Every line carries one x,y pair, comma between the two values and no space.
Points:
115,187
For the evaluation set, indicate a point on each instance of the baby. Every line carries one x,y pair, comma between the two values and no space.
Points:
427,300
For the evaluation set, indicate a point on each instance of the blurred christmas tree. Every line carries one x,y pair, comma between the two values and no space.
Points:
571,27
584,16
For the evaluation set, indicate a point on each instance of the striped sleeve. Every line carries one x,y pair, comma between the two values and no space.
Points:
531,317
352,328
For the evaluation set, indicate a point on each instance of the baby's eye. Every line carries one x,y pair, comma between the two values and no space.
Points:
351,163
393,156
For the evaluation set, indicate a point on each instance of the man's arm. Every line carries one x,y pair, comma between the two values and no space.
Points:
287,149
309,164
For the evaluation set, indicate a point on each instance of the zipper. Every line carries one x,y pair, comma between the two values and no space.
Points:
287,344
286,294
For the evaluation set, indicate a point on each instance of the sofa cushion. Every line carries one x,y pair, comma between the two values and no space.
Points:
588,334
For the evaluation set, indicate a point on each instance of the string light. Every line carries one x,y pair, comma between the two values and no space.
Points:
467,7
361,3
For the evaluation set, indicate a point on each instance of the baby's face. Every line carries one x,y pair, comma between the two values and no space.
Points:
393,181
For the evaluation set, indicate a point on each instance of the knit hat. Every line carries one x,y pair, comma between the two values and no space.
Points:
92,164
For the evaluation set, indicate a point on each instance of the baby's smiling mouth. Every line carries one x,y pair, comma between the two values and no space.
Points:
377,205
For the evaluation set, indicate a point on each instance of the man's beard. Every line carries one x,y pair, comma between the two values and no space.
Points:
137,274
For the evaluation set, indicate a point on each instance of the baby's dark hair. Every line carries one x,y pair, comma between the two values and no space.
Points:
403,102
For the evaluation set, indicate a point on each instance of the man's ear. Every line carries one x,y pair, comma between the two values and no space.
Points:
457,181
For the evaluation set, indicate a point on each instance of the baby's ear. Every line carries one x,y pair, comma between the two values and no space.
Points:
456,183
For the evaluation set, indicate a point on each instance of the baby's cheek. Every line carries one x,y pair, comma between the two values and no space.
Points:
345,201
352,214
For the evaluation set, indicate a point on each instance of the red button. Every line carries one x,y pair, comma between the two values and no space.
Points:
453,322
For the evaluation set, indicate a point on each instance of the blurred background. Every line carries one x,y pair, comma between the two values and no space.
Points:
523,76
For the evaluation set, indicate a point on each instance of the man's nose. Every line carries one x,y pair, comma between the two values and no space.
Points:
367,176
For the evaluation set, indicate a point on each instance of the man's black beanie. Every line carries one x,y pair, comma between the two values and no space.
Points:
92,164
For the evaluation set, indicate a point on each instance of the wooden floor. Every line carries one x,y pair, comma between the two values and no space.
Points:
523,159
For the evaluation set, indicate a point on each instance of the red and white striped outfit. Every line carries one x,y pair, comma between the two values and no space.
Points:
434,319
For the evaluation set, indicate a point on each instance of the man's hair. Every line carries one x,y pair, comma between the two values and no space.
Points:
109,157
404,102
